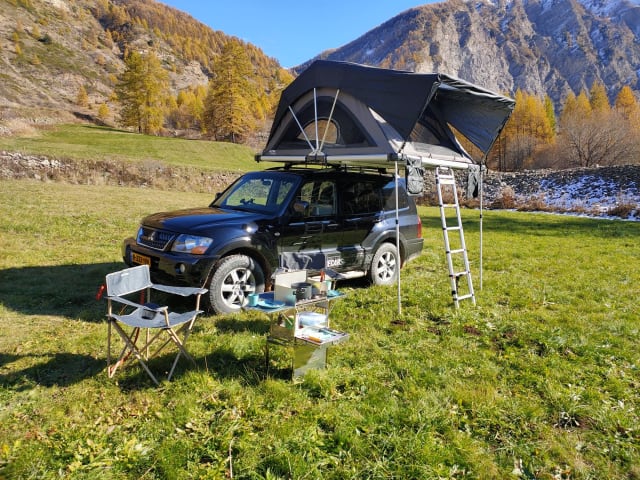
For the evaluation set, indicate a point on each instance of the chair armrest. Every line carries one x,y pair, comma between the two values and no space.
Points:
124,301
182,291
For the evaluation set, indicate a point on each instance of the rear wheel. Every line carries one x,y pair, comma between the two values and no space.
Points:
385,265
234,278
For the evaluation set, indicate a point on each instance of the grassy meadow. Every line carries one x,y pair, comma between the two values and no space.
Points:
540,380
81,142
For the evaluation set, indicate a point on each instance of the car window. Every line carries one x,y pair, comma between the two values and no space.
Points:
258,194
389,192
320,196
362,197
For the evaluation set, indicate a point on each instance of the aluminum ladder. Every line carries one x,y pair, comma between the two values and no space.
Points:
457,258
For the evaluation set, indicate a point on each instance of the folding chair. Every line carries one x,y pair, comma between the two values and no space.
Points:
122,287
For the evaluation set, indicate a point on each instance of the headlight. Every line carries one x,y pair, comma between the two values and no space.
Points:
191,244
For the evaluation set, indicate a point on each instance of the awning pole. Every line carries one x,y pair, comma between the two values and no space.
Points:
481,216
398,241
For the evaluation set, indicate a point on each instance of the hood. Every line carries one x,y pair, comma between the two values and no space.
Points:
193,220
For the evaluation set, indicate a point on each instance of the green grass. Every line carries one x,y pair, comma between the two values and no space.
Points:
539,380
79,142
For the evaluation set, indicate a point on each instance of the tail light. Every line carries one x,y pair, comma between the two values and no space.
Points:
419,227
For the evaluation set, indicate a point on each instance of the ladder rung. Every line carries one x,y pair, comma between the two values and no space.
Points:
453,252
464,297
459,274
446,179
448,205
453,229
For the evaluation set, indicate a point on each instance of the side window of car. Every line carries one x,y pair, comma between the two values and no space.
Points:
389,193
362,197
320,197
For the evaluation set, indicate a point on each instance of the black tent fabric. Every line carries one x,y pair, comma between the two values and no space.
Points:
374,112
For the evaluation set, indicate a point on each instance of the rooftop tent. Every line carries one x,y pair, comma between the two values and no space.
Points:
349,113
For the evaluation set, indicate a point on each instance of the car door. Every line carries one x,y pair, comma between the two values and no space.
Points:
312,232
360,210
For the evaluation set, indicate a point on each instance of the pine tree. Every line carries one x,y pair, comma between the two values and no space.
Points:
626,103
103,111
583,105
550,113
142,89
598,98
82,98
526,131
228,111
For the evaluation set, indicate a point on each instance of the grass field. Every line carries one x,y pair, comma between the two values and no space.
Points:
539,381
78,142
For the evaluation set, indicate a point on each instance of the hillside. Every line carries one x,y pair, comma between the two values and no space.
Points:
51,48
540,46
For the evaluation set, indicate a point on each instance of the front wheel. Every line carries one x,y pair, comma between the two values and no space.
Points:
234,278
385,266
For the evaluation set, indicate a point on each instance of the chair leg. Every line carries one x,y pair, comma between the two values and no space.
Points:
180,344
130,347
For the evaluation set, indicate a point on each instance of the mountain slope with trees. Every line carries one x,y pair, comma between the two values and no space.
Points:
570,64
70,55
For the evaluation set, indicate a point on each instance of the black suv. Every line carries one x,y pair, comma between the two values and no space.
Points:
309,218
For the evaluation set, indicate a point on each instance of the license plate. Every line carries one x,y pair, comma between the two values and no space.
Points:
140,259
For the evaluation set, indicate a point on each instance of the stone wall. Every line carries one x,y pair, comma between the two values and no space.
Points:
597,190
594,191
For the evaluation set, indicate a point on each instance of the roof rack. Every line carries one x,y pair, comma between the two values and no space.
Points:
333,167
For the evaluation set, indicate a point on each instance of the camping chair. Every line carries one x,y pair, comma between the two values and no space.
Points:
143,315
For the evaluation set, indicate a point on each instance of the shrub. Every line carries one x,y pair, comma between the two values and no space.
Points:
506,199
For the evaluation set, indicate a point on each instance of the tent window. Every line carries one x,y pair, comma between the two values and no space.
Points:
344,129
330,137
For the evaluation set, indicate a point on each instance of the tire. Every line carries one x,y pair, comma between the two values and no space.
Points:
234,278
385,265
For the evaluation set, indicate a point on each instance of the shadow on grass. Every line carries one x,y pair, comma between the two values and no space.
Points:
221,364
65,369
58,290
48,370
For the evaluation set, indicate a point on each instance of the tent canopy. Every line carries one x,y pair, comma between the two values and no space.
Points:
350,113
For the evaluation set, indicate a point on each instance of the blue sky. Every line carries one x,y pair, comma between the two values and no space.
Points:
294,31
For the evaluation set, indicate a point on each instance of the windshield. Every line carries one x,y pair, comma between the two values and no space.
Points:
259,192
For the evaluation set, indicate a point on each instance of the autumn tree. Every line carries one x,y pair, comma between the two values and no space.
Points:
550,113
626,103
103,112
189,108
82,98
228,113
594,134
528,128
142,90
598,98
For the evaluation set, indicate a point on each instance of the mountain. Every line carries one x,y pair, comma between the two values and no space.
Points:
49,49
540,46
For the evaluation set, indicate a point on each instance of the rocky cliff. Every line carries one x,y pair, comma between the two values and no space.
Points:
541,46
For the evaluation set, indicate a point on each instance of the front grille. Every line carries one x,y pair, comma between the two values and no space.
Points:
152,238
